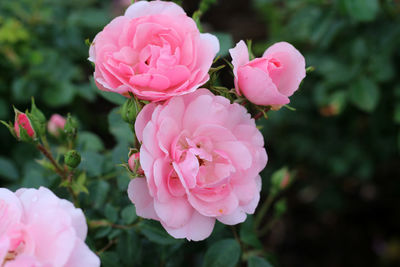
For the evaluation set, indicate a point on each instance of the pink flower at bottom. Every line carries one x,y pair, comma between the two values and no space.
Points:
37,229
271,79
201,156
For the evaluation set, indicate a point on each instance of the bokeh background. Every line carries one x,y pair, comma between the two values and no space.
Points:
342,142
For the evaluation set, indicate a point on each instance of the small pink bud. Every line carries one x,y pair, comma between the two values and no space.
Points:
133,160
286,180
22,120
56,124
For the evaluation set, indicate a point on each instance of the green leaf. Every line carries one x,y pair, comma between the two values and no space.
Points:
128,248
112,97
255,261
155,233
362,10
4,109
225,43
92,162
78,185
8,170
60,95
224,253
111,213
98,193
364,94
120,153
397,114
128,214
119,128
33,176
110,259
88,141
248,234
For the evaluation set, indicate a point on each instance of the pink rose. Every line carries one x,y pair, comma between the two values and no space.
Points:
39,229
201,157
56,124
271,79
22,121
132,163
154,51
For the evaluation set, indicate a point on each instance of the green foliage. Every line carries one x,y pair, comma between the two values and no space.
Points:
224,253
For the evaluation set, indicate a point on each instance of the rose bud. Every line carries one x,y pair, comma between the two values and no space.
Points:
23,127
271,79
133,164
72,158
56,124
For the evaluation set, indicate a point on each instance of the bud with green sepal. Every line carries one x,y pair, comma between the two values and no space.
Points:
71,127
23,127
72,158
280,180
38,119
129,110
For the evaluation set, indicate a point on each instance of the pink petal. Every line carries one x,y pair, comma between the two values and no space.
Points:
198,228
237,152
258,87
10,210
174,213
293,66
240,57
237,216
138,193
82,256
78,219
216,208
142,119
144,8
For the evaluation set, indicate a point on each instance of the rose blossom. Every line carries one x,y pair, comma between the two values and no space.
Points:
39,229
22,120
154,51
56,124
271,79
201,157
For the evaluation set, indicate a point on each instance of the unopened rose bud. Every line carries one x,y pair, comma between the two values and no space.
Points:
133,164
56,124
72,158
280,180
23,127
71,126
130,110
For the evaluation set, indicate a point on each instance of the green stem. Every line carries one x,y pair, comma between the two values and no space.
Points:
264,230
263,210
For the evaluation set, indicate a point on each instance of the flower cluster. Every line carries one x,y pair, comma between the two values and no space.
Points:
200,155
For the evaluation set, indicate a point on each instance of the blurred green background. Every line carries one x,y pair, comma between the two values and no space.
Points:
342,143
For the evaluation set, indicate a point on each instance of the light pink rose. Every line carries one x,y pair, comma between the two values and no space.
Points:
154,51
56,124
37,229
271,79
22,121
201,157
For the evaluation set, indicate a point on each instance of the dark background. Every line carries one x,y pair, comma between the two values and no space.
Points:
342,142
